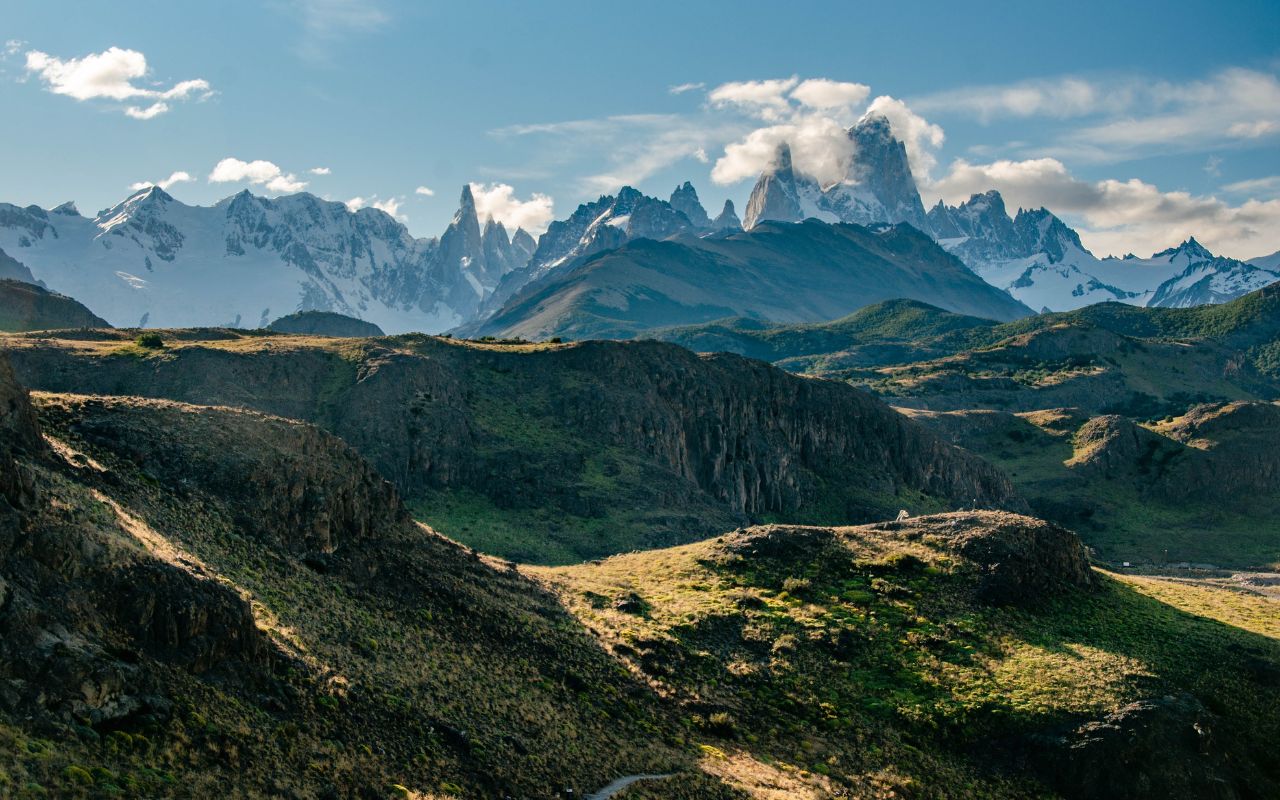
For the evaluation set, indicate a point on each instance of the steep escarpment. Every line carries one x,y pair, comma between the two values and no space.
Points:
588,449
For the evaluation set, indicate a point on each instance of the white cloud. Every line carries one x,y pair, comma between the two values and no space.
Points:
356,203
174,177
263,173
12,46
153,110
764,99
1233,107
110,75
392,206
825,94
820,147
1253,130
1120,216
319,170
681,88
498,201
424,191
918,135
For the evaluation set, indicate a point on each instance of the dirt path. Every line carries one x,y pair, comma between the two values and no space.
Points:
622,783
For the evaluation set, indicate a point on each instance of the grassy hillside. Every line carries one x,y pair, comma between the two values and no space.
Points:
1199,487
555,453
202,600
1107,358
888,332
816,662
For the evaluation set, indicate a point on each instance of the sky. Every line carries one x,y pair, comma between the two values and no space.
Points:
1139,123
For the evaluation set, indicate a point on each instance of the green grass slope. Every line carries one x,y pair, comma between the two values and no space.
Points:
812,663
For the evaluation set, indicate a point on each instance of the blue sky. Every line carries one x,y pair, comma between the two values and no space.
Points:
1138,122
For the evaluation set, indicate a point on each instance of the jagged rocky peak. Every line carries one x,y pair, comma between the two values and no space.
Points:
882,173
1191,250
774,196
67,209
1040,231
524,244
685,200
462,245
877,187
727,220
982,215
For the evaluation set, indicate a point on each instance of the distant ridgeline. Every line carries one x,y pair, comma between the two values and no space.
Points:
152,261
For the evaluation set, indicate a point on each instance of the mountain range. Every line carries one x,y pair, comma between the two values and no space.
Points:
1033,255
152,261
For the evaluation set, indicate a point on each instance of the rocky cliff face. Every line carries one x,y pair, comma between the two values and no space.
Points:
721,437
877,188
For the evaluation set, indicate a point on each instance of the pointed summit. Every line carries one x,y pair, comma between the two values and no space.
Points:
776,193
685,200
727,219
67,209
781,159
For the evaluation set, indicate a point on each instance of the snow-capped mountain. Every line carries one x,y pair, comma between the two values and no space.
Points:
878,186
1039,259
153,261
1033,255
604,224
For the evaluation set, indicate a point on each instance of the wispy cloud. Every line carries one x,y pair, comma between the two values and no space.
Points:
319,170
174,178
424,191
681,88
326,22
1120,118
111,76
1269,186
634,146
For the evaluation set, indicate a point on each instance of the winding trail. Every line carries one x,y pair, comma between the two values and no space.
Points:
622,783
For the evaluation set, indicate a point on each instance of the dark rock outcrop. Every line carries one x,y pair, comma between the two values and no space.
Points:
1163,747
325,323
1017,559
27,307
